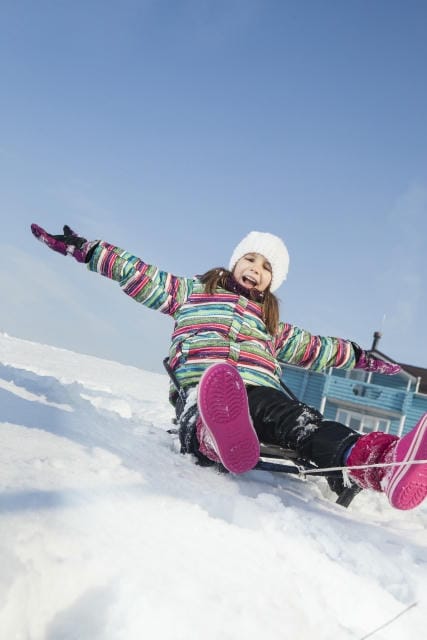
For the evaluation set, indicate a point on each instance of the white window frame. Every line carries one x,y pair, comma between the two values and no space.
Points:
362,422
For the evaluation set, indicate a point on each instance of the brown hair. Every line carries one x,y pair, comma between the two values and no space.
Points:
218,277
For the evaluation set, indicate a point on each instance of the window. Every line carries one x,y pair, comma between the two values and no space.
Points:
361,422
357,374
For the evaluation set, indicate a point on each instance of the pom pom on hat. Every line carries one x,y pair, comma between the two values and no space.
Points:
269,246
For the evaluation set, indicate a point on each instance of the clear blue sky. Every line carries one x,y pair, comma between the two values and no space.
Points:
172,128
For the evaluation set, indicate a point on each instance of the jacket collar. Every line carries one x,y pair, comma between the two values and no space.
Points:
235,287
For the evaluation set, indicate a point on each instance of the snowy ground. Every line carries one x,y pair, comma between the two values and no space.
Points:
107,533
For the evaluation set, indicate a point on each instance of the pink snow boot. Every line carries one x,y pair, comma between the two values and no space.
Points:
405,485
224,429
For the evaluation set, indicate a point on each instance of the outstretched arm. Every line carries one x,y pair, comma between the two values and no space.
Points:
298,347
144,283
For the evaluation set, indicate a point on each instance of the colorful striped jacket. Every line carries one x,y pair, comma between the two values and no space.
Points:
223,326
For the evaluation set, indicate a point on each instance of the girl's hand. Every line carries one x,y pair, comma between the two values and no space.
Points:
68,243
367,362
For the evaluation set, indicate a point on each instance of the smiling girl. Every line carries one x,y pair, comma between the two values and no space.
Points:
226,352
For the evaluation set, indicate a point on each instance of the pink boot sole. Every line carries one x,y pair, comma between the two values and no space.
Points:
406,486
223,406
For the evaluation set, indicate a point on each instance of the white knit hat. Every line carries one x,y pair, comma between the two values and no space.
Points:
269,246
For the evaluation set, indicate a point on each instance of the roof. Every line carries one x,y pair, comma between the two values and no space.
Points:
408,369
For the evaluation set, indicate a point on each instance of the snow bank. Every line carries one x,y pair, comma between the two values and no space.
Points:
107,533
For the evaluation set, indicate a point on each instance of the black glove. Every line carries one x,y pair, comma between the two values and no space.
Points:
68,243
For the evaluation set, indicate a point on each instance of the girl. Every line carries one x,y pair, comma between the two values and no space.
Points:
226,350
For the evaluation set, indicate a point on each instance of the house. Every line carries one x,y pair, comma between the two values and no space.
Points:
364,401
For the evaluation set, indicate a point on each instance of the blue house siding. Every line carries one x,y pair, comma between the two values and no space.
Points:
417,408
295,379
330,411
379,397
306,385
362,394
393,382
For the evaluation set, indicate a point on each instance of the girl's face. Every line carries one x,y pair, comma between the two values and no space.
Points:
253,271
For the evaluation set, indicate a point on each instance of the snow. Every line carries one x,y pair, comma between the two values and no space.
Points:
108,533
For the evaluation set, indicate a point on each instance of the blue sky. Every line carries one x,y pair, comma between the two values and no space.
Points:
172,128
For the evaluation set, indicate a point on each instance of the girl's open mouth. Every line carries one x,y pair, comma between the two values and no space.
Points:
249,282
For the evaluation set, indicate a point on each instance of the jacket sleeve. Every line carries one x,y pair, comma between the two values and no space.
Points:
298,347
144,283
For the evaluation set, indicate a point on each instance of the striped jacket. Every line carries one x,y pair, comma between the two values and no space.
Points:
223,326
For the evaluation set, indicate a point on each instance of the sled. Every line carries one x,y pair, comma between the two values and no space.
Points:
278,459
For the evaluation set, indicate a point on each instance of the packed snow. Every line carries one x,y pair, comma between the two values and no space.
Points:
108,533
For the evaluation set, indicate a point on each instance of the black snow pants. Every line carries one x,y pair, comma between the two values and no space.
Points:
294,425
281,421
